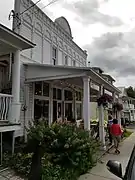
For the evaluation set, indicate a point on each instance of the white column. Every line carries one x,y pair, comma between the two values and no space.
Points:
86,102
101,121
119,113
15,108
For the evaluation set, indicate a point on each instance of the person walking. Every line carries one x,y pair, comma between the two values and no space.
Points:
116,133
110,122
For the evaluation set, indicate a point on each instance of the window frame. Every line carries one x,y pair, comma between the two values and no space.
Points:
74,62
54,59
65,59
42,89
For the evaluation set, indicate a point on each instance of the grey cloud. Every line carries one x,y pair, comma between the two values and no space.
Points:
88,13
108,40
113,53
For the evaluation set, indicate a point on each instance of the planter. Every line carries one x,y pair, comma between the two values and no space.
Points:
104,100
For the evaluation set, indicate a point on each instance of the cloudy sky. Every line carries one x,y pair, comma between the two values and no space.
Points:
105,28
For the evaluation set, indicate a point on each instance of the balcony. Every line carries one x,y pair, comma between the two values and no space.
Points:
127,106
131,106
5,104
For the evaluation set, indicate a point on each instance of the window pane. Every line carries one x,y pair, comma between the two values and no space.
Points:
66,59
54,61
78,96
68,111
59,110
46,110
74,63
79,111
45,89
59,96
68,95
54,52
54,93
38,88
37,109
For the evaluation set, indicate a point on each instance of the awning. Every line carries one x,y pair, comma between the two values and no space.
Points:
43,72
11,41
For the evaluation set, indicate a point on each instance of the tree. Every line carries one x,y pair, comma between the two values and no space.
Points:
130,92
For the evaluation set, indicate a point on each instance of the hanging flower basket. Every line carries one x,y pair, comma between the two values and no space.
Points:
117,107
104,100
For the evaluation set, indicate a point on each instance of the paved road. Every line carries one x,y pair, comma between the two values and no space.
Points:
101,173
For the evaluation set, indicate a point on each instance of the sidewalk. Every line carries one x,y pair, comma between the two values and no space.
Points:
100,172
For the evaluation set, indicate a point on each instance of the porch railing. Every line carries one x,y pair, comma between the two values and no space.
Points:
5,103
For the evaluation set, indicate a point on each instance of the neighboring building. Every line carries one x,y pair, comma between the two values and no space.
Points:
128,105
108,78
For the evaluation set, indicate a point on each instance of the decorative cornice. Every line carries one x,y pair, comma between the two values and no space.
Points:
44,19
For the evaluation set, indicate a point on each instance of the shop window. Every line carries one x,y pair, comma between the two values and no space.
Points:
78,96
37,109
59,110
41,109
79,111
45,89
54,93
68,95
68,111
38,88
46,110
59,95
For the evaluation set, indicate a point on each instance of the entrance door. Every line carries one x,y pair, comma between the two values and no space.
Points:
54,111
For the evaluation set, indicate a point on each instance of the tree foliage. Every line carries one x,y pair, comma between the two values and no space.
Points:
130,92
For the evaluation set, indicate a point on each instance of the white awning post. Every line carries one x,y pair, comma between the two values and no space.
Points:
86,102
101,121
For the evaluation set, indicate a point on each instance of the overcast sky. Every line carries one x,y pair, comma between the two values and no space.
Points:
105,28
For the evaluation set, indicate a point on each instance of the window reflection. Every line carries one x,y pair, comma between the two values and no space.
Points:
45,89
68,95
41,109
38,88
79,111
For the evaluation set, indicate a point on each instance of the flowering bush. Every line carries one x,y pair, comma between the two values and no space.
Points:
117,107
104,100
61,151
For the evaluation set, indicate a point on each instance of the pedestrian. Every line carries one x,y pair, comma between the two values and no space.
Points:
110,122
116,133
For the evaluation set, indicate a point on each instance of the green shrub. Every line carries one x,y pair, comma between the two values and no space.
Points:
67,151
127,133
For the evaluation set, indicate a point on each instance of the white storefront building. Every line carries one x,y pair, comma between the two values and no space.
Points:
50,77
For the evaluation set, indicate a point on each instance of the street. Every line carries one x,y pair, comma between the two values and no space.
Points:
100,172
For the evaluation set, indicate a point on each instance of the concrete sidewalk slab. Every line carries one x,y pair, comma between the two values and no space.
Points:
100,172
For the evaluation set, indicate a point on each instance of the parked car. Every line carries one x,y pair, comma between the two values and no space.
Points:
115,167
